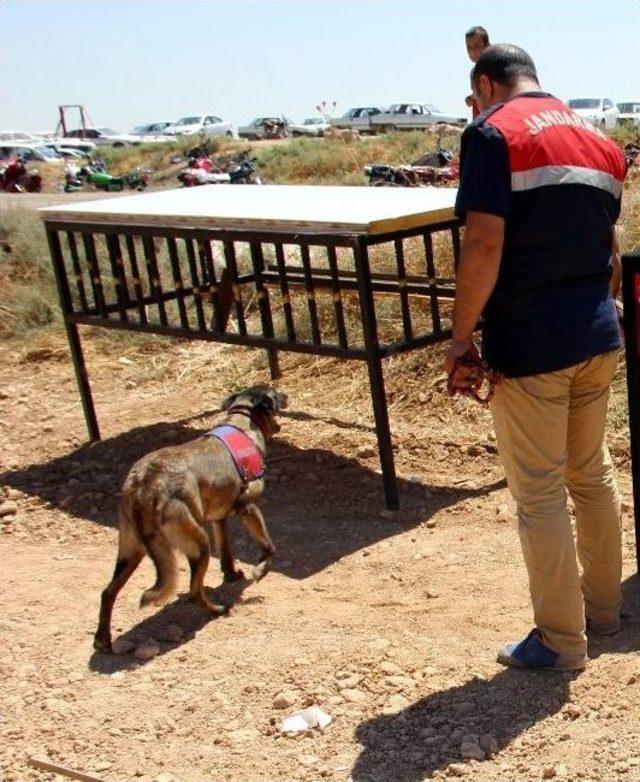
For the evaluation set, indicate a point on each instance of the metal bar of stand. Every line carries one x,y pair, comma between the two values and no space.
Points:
455,241
155,284
436,321
232,268
219,319
77,356
402,285
119,282
311,296
631,299
264,304
177,281
94,272
376,376
195,281
137,284
284,292
338,306
77,269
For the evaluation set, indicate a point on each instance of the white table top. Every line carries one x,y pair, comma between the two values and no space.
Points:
286,208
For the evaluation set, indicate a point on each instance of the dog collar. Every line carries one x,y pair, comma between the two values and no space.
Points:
247,458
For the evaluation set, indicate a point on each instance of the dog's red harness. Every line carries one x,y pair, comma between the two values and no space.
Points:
245,454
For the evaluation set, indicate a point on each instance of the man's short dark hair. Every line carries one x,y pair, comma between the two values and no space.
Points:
505,64
473,31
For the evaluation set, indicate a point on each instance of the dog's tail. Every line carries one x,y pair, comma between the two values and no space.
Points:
147,527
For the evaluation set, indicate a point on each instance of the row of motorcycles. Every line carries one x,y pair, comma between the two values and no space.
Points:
94,172
204,170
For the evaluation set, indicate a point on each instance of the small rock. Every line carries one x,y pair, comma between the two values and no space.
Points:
354,695
548,772
401,682
502,513
366,451
284,700
349,682
572,710
622,767
471,750
475,450
632,679
431,595
8,508
430,523
102,765
457,769
123,646
386,666
488,744
395,704
173,633
166,777
148,650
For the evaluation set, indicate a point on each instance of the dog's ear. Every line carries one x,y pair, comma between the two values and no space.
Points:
281,401
226,403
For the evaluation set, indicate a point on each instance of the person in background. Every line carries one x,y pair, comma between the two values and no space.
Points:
477,40
540,191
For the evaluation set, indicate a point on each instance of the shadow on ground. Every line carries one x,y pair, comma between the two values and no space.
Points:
414,743
319,506
180,612
428,735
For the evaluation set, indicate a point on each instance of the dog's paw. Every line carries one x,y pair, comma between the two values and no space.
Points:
102,644
261,569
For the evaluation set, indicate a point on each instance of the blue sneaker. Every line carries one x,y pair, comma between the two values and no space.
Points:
531,653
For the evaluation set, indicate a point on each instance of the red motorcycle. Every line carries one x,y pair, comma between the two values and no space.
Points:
15,177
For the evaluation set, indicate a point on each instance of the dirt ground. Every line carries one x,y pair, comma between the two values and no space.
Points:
387,621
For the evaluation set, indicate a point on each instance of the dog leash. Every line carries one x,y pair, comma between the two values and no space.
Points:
484,375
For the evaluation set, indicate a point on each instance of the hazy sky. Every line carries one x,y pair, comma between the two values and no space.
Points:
134,61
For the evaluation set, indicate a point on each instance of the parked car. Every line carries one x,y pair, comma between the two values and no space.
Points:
103,136
153,132
358,118
29,152
629,113
600,111
82,145
152,129
312,126
17,135
413,116
204,124
265,127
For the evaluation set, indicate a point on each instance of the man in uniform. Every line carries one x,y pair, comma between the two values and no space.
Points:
477,40
540,191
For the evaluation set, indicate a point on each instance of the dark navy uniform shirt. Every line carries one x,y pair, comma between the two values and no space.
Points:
557,181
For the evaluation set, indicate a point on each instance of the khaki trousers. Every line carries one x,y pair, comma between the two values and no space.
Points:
550,434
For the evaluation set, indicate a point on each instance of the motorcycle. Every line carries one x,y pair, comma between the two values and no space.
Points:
15,177
138,179
202,170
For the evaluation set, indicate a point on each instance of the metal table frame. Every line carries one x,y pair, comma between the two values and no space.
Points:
631,301
108,275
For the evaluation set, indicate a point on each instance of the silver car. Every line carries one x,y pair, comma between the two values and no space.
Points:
629,113
413,116
358,118
201,124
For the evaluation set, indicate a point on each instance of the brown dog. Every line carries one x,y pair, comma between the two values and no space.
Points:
174,496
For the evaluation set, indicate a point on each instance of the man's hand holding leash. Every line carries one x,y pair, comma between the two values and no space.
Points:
476,278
